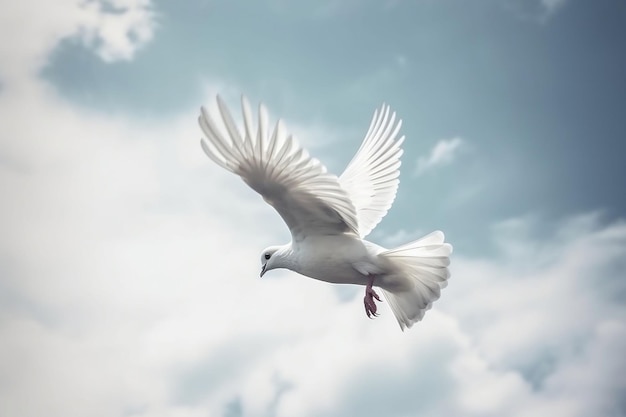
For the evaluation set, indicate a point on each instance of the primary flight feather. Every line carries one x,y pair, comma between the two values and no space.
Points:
329,216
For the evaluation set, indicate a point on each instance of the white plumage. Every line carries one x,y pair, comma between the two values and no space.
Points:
328,217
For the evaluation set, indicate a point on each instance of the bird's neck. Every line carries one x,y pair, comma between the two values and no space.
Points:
288,257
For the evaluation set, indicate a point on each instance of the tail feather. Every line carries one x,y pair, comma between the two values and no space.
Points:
424,263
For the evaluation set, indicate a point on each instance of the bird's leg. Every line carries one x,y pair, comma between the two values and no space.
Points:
368,300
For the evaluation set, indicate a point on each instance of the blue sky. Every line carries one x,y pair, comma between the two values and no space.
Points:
127,253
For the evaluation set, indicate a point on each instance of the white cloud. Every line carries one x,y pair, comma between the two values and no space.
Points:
539,311
443,153
30,29
116,36
129,287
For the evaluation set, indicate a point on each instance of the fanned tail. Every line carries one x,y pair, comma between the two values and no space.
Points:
424,263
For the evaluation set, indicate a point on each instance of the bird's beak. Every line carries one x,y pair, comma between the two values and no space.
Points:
263,270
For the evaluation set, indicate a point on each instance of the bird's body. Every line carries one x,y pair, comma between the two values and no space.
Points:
318,257
329,216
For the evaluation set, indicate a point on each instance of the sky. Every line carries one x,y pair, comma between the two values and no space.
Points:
129,261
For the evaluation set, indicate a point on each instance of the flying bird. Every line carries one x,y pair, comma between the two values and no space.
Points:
329,216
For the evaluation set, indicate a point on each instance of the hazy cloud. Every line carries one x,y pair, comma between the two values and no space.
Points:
537,10
552,5
442,154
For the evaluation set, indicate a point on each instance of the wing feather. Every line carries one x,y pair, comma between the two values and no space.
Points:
371,178
309,200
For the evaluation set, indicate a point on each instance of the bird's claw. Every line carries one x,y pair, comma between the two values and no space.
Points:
370,304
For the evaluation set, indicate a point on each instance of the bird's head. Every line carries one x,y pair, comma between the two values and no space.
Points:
271,258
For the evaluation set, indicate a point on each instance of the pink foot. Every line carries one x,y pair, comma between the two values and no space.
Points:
368,300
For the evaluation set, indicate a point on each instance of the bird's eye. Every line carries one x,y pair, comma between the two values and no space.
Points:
267,256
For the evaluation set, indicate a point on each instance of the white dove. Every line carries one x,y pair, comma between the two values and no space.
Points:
329,216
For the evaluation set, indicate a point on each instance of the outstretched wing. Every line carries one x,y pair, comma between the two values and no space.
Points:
309,199
371,178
